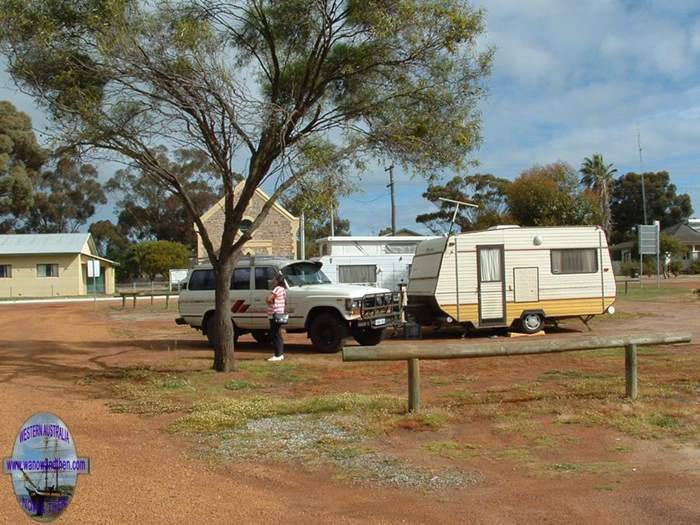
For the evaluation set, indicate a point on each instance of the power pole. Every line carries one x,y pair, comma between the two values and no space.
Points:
390,169
332,221
302,235
641,174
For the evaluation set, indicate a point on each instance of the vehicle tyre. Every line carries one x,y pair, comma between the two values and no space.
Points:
368,337
327,332
262,337
211,330
532,323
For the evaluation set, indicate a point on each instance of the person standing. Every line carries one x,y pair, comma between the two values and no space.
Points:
276,313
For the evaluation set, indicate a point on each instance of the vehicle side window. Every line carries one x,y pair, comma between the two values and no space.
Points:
263,276
201,280
575,261
241,279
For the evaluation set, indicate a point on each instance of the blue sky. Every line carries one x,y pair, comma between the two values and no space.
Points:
570,79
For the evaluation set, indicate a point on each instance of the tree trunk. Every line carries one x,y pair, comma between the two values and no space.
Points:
223,348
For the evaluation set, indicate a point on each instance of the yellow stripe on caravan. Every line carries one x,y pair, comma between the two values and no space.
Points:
551,308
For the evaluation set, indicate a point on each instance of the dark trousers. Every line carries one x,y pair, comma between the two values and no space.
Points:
276,336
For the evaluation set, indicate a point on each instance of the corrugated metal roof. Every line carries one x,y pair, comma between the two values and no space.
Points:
25,244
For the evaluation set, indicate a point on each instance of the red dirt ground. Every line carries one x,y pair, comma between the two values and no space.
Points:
142,474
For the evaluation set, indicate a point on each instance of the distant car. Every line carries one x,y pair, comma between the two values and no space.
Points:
329,313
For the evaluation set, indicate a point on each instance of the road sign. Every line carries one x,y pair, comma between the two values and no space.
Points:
648,239
93,268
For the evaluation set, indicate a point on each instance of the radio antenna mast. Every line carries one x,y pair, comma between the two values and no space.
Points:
641,174
457,205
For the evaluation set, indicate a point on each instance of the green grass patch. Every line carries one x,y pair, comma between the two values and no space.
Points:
427,419
452,449
173,383
284,372
650,293
222,414
240,384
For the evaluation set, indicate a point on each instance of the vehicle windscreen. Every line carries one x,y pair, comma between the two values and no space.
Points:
300,274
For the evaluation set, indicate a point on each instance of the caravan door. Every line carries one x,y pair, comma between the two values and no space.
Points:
492,289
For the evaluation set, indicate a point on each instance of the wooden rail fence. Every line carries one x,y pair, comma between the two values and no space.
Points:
413,353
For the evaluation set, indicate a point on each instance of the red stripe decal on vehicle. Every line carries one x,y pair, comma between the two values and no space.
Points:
244,308
236,306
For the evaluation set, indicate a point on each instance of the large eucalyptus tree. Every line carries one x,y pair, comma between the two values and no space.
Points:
271,90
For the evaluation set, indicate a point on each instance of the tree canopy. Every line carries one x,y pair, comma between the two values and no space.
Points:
599,177
550,195
663,202
260,86
21,158
152,258
488,192
65,198
149,210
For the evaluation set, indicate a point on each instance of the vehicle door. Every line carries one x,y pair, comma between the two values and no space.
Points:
198,296
262,284
241,298
492,289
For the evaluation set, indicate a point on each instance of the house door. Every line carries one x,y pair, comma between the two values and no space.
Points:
492,290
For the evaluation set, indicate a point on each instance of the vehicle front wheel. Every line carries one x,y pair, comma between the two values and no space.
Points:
327,333
532,323
368,337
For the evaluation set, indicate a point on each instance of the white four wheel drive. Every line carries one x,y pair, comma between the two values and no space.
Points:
329,313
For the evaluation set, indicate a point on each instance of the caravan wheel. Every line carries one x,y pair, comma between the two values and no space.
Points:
532,323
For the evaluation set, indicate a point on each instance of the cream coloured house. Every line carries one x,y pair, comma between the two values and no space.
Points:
51,265
277,235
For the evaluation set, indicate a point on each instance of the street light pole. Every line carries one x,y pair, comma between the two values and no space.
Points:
390,169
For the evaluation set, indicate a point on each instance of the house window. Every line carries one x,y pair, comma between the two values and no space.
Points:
5,271
365,273
575,261
47,270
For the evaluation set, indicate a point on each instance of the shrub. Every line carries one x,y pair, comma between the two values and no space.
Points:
676,266
695,267
629,268
649,266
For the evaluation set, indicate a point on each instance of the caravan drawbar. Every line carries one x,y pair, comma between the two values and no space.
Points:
510,275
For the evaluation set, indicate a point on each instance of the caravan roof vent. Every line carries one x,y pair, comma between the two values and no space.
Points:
504,227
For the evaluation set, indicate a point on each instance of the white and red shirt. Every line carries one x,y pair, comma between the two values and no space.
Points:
277,306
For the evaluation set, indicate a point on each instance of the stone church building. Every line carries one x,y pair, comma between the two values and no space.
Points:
277,235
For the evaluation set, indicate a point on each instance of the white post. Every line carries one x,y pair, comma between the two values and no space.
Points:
302,235
658,252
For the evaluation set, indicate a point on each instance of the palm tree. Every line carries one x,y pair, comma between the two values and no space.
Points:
598,176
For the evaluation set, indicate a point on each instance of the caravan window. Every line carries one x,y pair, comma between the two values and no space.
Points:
365,273
575,261
490,265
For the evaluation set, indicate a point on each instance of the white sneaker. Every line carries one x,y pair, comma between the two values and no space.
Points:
276,358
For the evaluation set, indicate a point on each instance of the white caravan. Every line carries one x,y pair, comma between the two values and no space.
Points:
376,261
510,275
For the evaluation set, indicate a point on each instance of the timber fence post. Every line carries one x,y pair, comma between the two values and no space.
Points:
631,371
413,385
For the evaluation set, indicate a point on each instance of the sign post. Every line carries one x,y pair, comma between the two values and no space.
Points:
93,268
649,240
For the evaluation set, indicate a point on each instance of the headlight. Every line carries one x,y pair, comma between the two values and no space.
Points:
352,305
